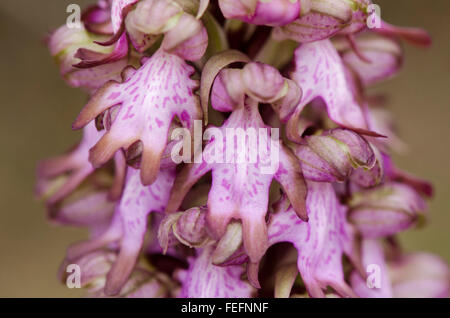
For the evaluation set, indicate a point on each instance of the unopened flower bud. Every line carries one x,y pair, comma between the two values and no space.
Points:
188,39
261,12
333,155
320,20
367,178
386,210
150,19
384,57
263,82
188,227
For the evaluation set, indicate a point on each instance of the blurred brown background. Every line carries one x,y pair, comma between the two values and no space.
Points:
38,108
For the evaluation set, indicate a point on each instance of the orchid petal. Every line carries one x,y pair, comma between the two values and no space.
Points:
150,98
374,260
205,280
129,225
320,242
320,72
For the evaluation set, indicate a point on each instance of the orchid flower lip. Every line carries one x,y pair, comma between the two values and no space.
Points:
210,145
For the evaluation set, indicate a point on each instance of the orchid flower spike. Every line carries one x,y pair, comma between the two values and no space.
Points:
320,243
217,131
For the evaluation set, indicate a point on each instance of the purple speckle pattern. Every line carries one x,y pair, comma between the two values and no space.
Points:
149,99
319,71
320,242
241,190
206,280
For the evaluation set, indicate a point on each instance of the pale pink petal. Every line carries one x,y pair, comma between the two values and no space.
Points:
205,280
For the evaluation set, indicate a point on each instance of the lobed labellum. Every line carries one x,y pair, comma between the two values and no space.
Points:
203,279
319,71
320,242
128,225
149,99
240,189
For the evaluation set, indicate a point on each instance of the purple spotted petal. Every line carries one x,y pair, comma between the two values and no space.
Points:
320,242
129,225
319,71
97,18
149,99
240,189
205,280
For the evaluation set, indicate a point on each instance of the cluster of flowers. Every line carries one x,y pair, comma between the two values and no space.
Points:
312,227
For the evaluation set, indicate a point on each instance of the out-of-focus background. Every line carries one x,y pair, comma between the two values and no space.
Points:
37,109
